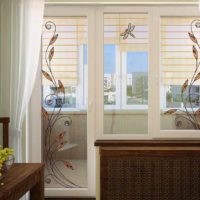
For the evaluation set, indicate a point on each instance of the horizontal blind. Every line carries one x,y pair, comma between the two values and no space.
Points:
116,24
177,60
72,33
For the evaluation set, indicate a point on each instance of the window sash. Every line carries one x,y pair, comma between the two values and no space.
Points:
155,13
60,11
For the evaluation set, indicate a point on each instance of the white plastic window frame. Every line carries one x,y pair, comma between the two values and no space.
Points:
81,97
175,11
99,81
62,11
154,87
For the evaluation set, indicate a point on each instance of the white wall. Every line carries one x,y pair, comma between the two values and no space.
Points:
5,45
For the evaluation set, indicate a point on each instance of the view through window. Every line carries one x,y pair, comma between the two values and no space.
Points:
125,73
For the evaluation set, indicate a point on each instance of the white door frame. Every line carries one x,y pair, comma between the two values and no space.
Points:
34,140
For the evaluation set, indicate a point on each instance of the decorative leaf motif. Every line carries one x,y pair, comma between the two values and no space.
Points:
197,77
48,26
184,87
61,86
68,164
44,113
61,145
51,53
47,76
197,24
197,112
192,37
57,142
169,112
53,39
195,52
60,136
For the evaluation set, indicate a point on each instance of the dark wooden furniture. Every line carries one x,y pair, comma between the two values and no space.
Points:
149,170
5,121
20,179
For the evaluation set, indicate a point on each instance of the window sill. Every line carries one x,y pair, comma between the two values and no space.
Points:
66,111
125,112
112,111
107,111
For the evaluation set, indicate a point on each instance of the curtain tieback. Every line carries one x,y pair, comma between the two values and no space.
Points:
15,131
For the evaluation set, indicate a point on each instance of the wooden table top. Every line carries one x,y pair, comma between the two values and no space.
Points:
20,178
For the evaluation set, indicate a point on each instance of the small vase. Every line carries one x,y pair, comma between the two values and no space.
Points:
6,166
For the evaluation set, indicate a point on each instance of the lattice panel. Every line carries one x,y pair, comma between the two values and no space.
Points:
150,178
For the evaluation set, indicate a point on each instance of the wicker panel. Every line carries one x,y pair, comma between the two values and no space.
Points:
150,178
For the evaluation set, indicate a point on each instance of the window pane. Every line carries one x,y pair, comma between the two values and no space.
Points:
110,75
125,73
137,78
179,67
64,111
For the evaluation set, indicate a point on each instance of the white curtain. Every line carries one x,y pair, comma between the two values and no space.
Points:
20,37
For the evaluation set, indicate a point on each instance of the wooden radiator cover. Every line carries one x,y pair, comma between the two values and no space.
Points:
150,172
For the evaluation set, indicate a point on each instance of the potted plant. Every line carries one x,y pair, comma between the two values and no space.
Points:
6,160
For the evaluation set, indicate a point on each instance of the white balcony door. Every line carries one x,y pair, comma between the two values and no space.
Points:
71,171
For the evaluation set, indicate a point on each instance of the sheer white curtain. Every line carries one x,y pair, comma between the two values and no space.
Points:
21,28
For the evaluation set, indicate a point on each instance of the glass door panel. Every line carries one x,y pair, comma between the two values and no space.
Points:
64,109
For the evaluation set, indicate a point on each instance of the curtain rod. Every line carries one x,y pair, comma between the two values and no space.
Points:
124,3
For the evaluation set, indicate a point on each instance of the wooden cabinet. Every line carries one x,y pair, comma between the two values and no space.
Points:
149,170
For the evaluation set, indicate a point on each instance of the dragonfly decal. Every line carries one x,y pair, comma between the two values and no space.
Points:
128,32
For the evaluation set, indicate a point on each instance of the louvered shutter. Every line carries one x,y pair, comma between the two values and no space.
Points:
72,33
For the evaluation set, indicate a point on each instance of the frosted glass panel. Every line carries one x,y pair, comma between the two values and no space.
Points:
125,73
69,161
64,106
